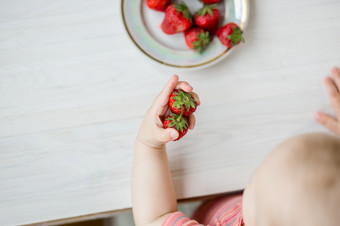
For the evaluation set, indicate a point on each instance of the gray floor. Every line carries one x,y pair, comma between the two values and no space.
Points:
126,219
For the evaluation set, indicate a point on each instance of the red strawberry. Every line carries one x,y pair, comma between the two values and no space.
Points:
181,102
159,5
208,18
230,35
197,38
210,1
177,19
178,122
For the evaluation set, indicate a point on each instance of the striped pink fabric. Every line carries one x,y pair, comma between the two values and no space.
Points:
223,211
179,218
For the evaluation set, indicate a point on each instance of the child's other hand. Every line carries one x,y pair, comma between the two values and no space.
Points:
151,133
333,89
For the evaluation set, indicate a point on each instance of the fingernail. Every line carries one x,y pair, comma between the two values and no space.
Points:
174,135
317,116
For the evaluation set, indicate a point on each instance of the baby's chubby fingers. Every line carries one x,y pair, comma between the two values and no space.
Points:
336,75
185,86
192,121
196,98
334,95
173,83
166,135
163,97
328,122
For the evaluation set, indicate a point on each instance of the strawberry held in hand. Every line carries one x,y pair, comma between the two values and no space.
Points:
177,19
181,102
208,18
230,35
197,38
178,122
159,5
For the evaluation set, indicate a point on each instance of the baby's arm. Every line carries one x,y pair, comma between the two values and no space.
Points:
153,196
333,89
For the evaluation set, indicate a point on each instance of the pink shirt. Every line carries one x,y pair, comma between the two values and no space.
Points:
223,211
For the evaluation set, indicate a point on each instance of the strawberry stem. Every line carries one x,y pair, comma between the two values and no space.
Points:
180,116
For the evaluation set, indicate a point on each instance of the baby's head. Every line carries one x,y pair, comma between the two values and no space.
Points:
298,184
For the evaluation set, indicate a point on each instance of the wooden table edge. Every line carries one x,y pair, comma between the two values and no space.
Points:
111,213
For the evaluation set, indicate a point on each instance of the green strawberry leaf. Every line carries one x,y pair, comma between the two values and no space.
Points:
178,122
183,99
210,12
196,43
207,9
171,124
183,8
203,39
236,36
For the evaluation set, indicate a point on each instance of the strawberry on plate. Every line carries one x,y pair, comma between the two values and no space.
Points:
210,1
177,19
208,18
230,35
178,122
181,102
158,5
197,38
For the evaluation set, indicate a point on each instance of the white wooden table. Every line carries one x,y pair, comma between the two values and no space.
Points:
73,91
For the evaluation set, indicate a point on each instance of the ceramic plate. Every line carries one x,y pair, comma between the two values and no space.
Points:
143,26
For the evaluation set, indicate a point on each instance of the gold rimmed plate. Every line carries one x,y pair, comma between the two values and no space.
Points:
143,27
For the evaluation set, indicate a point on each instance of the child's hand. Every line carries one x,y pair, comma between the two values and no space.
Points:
151,132
333,89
